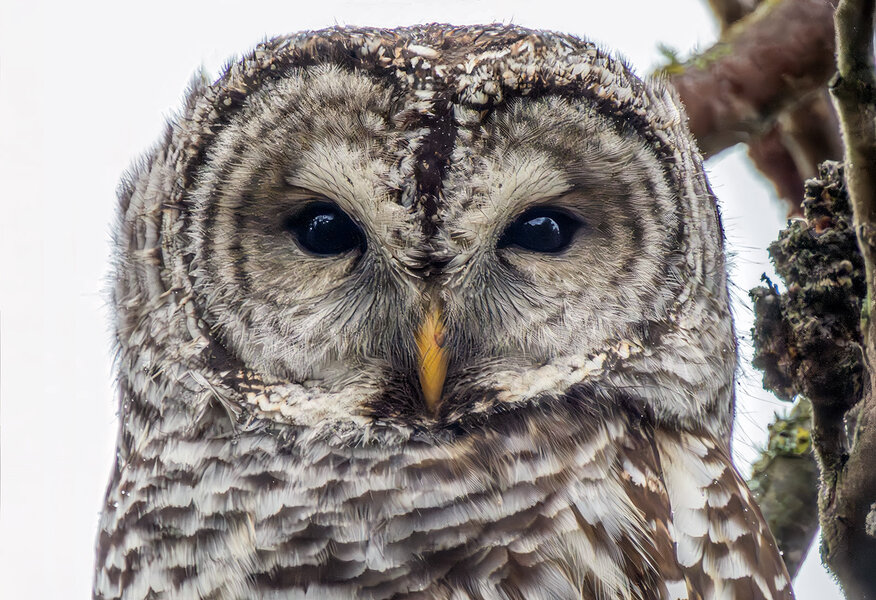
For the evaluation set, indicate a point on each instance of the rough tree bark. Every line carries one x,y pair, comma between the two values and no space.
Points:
808,344
847,501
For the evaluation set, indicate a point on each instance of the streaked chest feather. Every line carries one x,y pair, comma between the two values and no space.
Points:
547,508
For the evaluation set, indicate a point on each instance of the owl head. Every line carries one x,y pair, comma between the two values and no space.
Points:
355,230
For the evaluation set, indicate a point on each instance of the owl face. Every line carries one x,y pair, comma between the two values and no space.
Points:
503,209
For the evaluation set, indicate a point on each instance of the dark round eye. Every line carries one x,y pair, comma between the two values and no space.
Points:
541,229
322,228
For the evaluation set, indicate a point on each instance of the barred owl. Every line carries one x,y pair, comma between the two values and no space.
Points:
434,312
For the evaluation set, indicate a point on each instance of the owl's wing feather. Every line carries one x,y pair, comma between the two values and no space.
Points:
723,543
685,527
605,533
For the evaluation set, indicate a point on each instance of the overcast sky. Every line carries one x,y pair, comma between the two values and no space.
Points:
85,88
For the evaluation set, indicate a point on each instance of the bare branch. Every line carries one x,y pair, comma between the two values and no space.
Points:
802,138
763,64
854,91
811,133
789,149
772,158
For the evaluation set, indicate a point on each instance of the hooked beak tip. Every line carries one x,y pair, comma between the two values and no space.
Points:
432,358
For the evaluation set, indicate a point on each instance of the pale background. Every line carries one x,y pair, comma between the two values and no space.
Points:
85,87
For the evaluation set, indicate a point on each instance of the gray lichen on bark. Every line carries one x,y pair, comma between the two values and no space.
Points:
807,340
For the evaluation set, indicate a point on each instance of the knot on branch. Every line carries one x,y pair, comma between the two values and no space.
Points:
807,340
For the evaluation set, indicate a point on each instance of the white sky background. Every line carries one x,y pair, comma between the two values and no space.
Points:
85,87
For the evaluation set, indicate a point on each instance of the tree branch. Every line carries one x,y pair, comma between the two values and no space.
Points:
761,65
802,138
847,502
812,134
785,484
807,340
770,155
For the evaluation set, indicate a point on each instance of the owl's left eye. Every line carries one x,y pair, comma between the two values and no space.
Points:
541,229
325,230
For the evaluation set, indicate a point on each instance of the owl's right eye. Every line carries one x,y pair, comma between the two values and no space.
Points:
325,230
541,229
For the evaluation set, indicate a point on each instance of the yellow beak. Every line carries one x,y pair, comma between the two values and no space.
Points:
432,358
